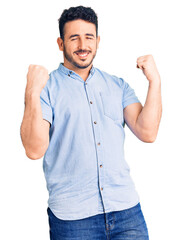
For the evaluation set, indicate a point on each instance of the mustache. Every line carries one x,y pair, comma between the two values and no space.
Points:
83,51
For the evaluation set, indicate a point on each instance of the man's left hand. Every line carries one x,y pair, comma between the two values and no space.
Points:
148,66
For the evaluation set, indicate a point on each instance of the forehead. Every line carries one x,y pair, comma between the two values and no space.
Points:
80,27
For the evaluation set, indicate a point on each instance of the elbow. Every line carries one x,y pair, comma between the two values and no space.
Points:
148,134
148,137
148,140
34,156
36,153
36,147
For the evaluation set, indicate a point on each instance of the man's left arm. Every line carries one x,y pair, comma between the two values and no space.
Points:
144,121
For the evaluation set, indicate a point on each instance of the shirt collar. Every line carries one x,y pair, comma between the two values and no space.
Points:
68,72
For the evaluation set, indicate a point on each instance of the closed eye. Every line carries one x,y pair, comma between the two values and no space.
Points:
77,38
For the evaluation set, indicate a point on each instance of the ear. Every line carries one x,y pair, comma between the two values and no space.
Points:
60,43
98,41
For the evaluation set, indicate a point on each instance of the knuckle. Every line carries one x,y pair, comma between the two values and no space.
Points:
30,66
37,68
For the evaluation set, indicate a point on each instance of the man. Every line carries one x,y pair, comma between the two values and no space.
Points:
75,117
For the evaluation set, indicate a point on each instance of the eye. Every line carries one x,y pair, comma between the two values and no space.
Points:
73,39
89,38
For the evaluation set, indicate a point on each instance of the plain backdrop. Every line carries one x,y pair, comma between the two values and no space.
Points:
128,30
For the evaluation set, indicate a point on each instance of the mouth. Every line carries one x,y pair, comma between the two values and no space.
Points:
82,54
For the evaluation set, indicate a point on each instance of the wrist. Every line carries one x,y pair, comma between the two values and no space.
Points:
155,85
32,91
156,80
32,95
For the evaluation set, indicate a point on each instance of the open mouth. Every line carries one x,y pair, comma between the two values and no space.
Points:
82,54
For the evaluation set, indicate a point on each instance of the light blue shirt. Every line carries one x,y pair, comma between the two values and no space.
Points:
84,165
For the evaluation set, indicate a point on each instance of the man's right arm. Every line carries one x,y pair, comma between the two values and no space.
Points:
34,129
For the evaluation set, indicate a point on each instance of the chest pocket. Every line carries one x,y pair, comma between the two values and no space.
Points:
112,105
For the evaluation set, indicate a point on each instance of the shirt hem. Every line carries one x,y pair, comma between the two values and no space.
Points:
95,212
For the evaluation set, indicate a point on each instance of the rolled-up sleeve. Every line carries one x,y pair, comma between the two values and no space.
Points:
129,95
46,106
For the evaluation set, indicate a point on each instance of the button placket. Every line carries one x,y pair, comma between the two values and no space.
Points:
96,137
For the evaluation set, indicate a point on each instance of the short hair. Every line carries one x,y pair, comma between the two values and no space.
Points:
74,13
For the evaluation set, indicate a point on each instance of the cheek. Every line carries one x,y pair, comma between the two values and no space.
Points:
93,45
71,46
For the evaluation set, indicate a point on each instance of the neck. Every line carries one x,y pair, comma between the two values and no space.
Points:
83,73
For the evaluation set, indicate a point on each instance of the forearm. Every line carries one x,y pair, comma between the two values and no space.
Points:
149,118
33,133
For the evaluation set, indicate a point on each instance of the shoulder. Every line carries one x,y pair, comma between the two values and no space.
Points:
111,77
53,81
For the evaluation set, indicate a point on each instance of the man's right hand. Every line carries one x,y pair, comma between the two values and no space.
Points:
37,78
35,129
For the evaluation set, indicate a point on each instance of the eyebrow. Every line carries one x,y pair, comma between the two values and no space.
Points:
77,35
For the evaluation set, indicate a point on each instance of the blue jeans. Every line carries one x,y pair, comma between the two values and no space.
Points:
127,224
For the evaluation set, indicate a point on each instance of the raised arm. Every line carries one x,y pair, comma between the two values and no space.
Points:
144,120
34,129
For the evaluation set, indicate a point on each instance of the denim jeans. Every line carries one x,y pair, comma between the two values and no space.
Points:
127,224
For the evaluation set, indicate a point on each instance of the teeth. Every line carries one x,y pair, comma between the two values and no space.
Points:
83,55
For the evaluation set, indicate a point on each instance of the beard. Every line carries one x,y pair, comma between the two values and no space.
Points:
70,59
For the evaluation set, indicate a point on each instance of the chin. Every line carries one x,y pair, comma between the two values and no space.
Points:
82,66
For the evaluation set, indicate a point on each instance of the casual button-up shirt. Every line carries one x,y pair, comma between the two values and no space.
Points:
84,165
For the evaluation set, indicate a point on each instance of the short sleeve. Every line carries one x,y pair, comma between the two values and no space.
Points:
46,106
129,95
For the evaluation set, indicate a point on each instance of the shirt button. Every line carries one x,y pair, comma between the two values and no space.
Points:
90,102
98,143
101,188
85,83
101,165
95,122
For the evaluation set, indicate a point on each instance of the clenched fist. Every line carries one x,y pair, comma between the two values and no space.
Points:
147,65
37,77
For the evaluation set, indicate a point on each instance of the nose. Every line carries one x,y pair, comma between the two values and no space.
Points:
82,43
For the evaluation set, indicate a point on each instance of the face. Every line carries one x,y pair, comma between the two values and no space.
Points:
80,44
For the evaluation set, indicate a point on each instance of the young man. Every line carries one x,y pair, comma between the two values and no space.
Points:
75,117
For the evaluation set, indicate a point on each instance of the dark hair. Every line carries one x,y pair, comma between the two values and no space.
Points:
80,12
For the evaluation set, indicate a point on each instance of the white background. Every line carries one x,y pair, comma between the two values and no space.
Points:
128,29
